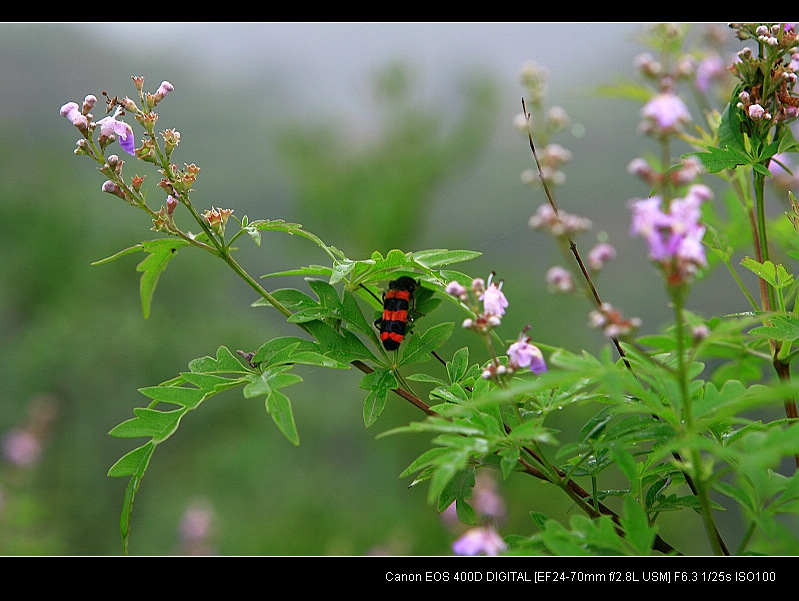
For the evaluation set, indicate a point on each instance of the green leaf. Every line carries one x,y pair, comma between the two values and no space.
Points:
626,89
149,423
279,407
719,159
636,526
121,253
730,132
161,252
420,346
379,383
439,257
133,463
458,366
178,395
775,275
224,362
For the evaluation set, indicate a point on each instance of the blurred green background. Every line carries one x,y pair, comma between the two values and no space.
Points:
373,136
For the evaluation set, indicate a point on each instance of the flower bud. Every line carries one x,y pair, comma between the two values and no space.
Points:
112,188
164,89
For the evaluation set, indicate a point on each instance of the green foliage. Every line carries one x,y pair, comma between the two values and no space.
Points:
673,422
341,332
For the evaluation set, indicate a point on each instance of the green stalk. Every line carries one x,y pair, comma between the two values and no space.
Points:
677,295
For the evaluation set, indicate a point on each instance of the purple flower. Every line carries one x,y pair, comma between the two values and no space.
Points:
456,289
479,540
665,113
710,69
674,238
648,222
494,301
109,126
523,354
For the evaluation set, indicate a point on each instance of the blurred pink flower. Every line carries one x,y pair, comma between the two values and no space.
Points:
479,540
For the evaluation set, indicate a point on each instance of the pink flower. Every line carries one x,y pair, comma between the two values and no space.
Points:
756,112
110,126
674,237
494,301
710,69
560,279
164,89
600,254
21,448
456,289
665,113
479,540
523,354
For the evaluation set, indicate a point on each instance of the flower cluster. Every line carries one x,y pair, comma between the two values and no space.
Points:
665,114
612,323
767,77
682,174
551,158
558,223
217,219
674,236
493,299
522,354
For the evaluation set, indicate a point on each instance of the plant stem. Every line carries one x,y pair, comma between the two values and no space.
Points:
699,488
767,295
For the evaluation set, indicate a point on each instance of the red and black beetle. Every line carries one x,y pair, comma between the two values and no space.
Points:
398,303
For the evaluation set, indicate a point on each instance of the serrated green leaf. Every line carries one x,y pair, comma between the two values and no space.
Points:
596,425
719,159
224,362
149,423
208,382
459,365
730,132
776,275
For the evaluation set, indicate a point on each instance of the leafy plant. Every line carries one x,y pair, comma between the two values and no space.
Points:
674,414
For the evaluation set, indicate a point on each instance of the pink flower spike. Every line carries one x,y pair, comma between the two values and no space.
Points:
110,125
